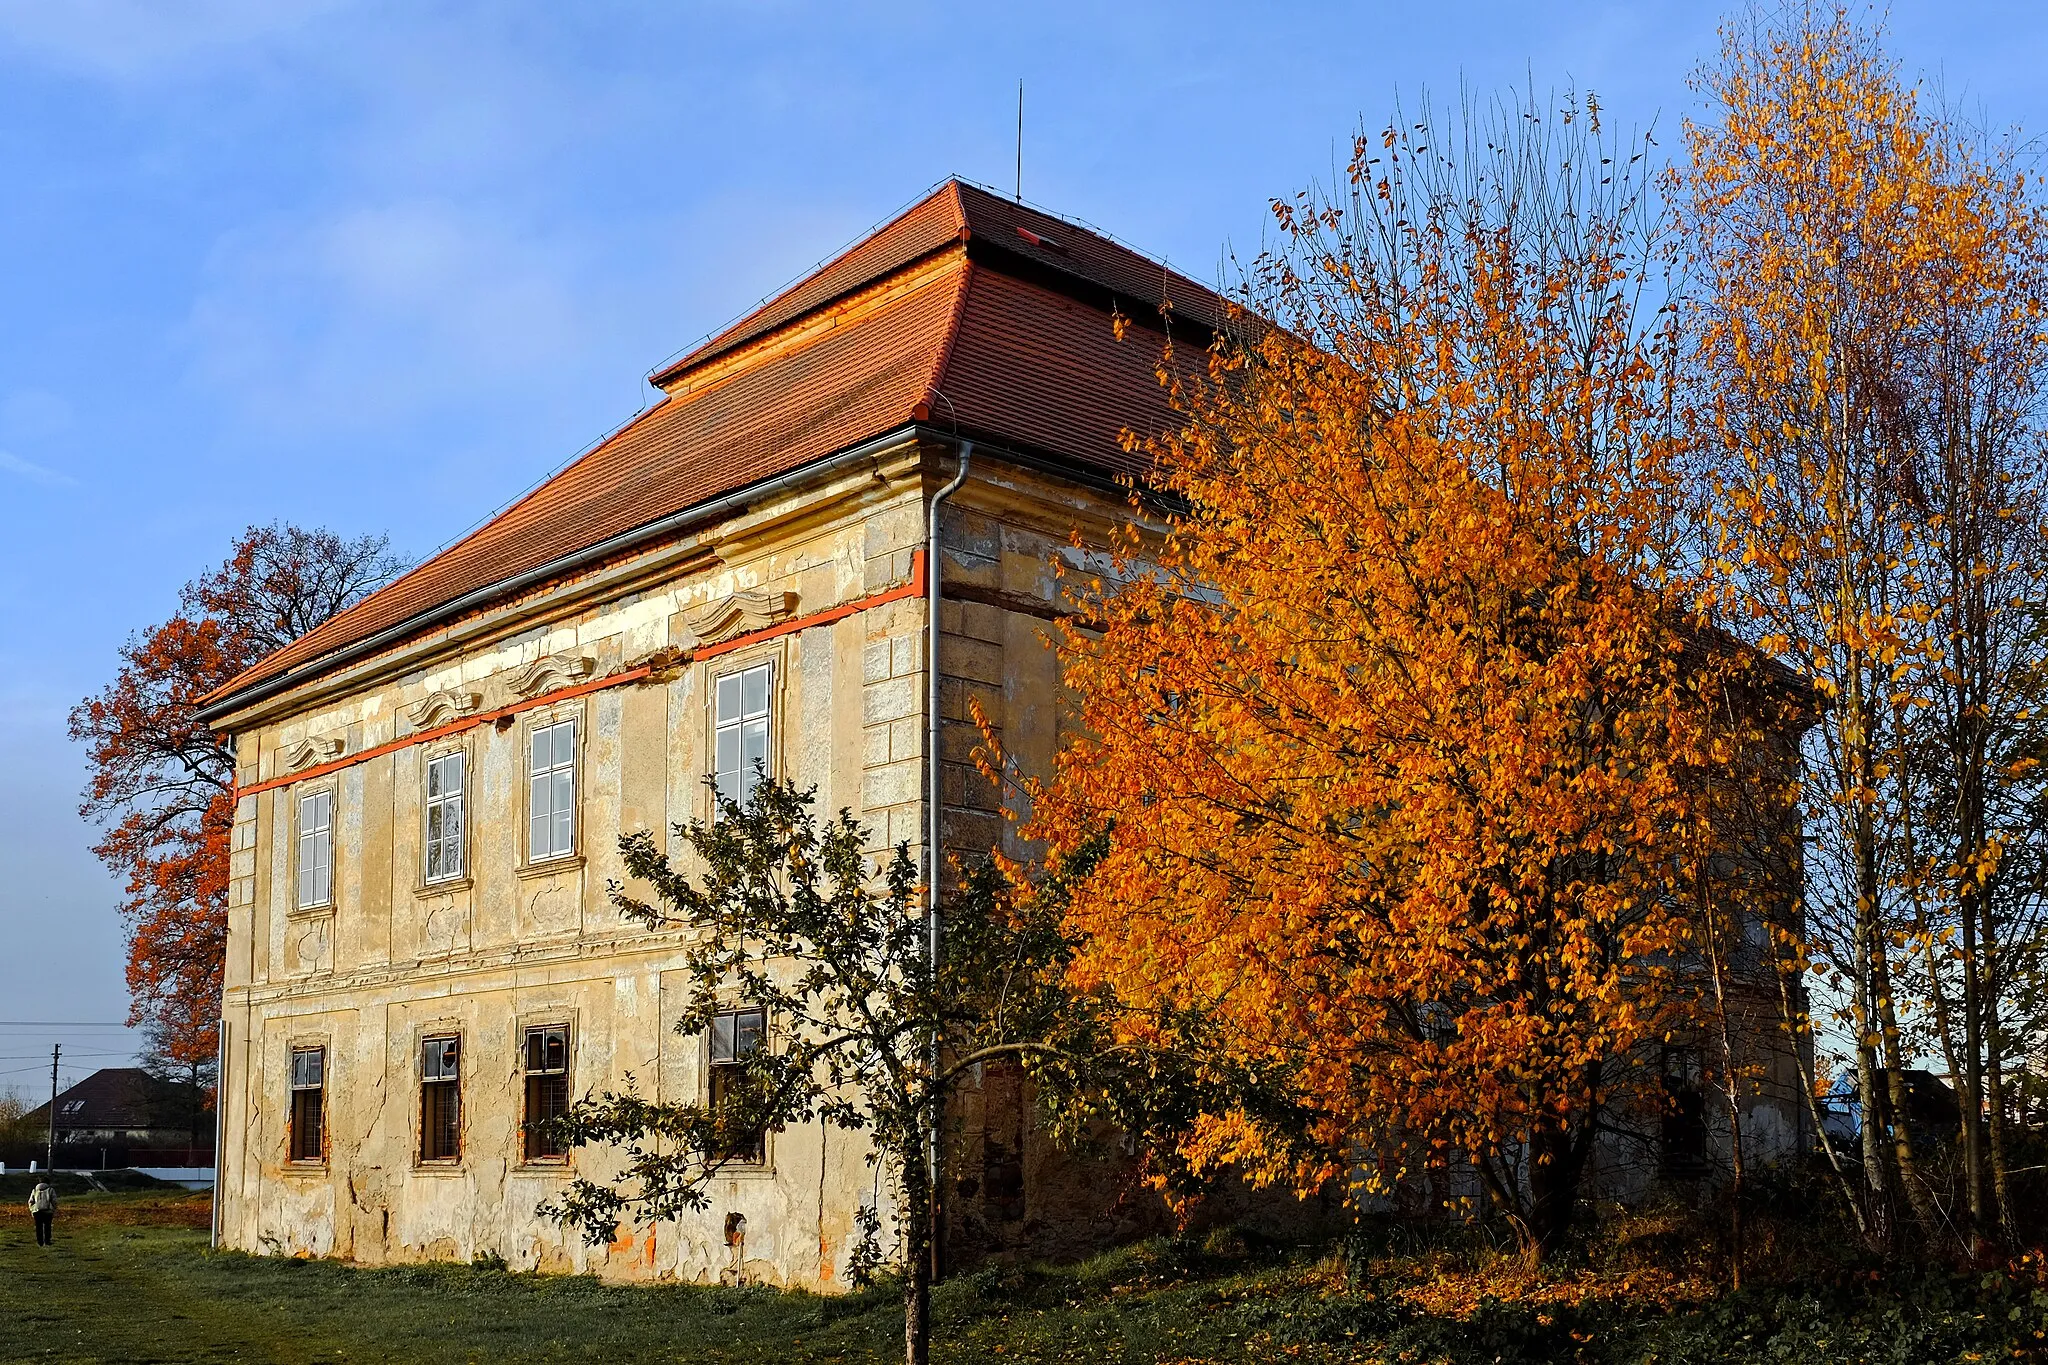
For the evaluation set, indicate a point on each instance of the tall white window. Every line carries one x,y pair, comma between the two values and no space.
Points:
444,817
552,802
316,849
740,731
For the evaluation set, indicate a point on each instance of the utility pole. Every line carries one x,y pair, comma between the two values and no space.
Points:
50,1153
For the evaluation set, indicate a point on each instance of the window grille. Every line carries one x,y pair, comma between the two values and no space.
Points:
441,1099
740,731
316,849
444,818
309,1087
551,804
547,1089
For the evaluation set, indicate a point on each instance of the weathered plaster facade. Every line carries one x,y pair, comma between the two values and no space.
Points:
770,510
515,943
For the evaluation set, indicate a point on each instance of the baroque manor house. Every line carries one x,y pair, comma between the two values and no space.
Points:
422,959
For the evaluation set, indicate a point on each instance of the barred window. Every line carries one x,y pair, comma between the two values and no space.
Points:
734,1035
551,803
309,1088
547,1088
441,1099
316,849
444,818
740,731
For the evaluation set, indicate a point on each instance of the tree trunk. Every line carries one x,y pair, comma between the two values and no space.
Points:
1731,1083
1877,1222
1994,1078
1557,1158
1917,1196
917,1260
1858,744
1795,1024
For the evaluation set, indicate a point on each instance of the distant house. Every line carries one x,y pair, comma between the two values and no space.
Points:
124,1116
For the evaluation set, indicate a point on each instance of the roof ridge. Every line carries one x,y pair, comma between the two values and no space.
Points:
716,343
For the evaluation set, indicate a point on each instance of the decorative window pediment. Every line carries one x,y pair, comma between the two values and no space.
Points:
448,704
716,622
313,750
552,672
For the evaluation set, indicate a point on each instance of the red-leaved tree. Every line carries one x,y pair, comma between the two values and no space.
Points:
162,784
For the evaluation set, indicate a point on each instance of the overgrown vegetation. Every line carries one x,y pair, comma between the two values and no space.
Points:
1639,1290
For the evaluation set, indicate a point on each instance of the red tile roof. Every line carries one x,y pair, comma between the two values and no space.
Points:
947,304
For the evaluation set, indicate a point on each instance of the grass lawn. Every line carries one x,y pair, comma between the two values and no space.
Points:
131,1280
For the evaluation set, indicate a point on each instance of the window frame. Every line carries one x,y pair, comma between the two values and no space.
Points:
437,1091
737,668
542,723
296,1146
535,1149
1684,1145
718,1072
300,796
429,879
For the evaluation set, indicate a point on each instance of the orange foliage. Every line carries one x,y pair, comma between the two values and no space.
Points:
164,781
1870,352
1400,731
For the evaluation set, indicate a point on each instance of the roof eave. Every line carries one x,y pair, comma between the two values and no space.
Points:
219,706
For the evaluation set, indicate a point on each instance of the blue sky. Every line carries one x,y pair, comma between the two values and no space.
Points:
383,266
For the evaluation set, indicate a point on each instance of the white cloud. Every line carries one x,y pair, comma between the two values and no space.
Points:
380,311
34,473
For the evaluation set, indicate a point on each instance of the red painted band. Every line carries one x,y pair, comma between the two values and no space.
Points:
914,588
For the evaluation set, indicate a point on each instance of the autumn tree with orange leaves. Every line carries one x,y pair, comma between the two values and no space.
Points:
1399,729
1870,314
162,782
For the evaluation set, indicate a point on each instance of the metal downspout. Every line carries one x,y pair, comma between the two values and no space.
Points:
934,783
220,1099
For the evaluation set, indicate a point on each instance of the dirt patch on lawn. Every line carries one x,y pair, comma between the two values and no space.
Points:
174,1209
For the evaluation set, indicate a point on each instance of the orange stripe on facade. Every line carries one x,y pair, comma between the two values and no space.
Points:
903,592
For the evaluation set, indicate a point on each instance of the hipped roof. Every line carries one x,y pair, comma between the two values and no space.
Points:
967,311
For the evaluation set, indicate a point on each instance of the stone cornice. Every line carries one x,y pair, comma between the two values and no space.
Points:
462,962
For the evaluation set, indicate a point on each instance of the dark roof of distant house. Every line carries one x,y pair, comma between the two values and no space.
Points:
967,311
119,1098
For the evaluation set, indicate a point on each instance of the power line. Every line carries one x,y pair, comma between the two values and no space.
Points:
64,1023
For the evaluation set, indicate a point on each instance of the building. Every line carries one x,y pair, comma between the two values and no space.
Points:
123,1116
422,958
432,785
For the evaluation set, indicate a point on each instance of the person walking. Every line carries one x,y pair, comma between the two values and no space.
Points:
42,1202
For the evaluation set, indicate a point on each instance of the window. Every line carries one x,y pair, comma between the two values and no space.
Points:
547,1088
440,1099
1684,1146
309,1081
316,849
552,803
73,1106
740,732
734,1034
444,818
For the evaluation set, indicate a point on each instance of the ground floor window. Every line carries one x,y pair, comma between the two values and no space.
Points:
441,1099
1684,1146
309,1087
547,1089
734,1034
